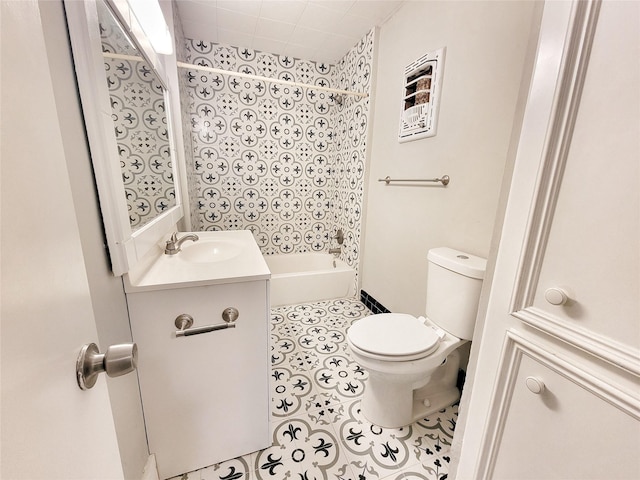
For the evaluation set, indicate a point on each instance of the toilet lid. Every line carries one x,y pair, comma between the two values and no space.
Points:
393,334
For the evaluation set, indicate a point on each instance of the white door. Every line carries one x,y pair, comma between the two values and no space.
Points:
50,428
556,390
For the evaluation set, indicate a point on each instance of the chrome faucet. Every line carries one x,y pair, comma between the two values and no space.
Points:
173,245
336,253
340,238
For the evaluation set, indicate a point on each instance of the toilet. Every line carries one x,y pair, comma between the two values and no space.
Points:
413,362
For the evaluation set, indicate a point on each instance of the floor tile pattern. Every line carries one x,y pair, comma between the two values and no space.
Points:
318,430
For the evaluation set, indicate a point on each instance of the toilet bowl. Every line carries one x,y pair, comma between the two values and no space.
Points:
394,395
413,362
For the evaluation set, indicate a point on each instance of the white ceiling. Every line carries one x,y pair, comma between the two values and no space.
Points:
320,30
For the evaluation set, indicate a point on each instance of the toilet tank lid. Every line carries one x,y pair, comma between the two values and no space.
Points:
457,261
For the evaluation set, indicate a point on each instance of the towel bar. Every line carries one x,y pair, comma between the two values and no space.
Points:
444,180
206,329
184,321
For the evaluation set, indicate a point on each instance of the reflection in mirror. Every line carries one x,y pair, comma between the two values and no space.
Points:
137,98
129,127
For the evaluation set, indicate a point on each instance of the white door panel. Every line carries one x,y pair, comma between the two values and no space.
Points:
581,236
593,250
50,428
565,430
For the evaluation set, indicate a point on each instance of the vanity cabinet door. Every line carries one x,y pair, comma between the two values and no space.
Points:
205,397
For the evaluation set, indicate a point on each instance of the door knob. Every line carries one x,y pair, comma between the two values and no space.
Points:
556,296
118,360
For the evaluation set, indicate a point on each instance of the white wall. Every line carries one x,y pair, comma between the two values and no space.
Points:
486,49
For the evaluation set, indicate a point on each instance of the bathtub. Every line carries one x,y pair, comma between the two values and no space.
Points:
308,277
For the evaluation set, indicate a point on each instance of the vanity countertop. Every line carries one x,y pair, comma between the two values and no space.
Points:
217,257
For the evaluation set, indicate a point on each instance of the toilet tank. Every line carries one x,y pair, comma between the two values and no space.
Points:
453,290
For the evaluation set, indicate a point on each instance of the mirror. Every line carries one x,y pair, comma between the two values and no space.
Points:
137,99
123,89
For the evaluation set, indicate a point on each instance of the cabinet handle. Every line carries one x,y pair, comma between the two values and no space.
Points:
556,296
184,321
535,385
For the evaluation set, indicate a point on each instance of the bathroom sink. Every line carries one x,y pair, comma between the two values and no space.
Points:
217,257
206,251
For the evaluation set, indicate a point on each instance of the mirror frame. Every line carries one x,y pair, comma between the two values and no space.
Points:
126,246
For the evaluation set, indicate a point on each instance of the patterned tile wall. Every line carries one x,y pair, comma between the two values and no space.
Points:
285,162
350,121
140,124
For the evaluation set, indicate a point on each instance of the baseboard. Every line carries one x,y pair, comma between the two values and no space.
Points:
150,471
372,304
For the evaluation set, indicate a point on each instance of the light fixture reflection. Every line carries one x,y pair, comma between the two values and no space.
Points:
151,19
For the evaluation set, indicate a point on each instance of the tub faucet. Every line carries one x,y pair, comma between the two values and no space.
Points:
336,253
173,245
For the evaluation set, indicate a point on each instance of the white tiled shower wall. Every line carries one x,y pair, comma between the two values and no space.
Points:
285,162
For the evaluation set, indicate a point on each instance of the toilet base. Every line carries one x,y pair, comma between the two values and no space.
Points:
437,402
397,404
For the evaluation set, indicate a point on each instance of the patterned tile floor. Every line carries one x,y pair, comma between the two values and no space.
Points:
318,430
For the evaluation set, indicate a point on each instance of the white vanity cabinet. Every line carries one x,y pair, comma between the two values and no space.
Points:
205,396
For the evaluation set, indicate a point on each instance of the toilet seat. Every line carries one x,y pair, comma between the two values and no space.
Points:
393,336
